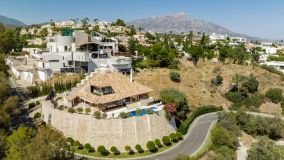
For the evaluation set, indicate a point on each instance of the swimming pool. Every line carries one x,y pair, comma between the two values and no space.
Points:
143,112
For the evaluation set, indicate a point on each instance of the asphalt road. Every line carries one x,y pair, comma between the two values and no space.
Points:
194,140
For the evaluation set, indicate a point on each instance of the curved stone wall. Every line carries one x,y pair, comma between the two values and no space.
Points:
108,132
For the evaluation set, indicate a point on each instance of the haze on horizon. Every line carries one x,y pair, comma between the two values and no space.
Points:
259,18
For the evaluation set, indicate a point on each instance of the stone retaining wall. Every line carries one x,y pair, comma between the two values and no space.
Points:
108,132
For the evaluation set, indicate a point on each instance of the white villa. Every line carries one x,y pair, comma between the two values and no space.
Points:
76,51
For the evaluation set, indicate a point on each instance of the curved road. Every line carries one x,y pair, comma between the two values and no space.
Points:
192,142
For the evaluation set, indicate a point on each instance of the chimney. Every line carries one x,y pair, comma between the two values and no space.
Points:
131,76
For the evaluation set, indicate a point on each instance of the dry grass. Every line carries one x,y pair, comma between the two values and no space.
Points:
196,81
247,140
64,77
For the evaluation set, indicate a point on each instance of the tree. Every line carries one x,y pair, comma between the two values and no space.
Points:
151,146
119,22
196,53
222,137
251,84
76,144
204,40
122,115
274,94
70,140
17,141
264,149
173,136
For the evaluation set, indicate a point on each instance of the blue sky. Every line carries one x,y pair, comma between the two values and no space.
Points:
261,18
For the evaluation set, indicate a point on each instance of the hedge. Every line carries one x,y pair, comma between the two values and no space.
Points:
200,111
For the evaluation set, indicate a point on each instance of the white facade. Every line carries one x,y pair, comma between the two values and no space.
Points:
238,39
278,65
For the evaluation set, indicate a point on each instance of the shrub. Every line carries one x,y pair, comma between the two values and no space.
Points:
60,107
274,94
87,110
158,143
104,115
251,84
71,110
175,76
127,148
37,115
166,140
235,97
201,110
254,100
151,146
179,136
87,146
37,103
70,140
114,150
138,111
97,114
149,111
169,96
173,136
222,137
80,146
139,148
32,105
122,115
101,149
76,144
80,110
218,80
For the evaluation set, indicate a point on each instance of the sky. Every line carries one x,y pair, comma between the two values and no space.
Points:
259,18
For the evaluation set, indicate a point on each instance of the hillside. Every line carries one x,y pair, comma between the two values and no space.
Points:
180,22
10,21
196,81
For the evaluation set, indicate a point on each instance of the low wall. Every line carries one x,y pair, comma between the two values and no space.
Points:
108,132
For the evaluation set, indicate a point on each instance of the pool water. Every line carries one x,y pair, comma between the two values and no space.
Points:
143,112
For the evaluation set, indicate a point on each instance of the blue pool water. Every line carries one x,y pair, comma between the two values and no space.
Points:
143,112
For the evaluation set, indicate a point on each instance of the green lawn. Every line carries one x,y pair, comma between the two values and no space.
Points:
123,154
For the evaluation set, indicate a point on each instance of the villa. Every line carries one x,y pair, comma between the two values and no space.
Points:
106,90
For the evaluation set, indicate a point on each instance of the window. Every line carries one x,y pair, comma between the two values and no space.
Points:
53,60
65,48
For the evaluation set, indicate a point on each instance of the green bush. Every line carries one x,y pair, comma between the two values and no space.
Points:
122,115
101,149
87,110
70,140
71,110
166,140
179,136
114,150
87,146
32,105
274,94
175,76
97,114
169,96
151,146
37,103
139,148
149,111
200,111
60,107
222,137
76,144
251,84
217,81
37,115
272,69
235,97
127,148
79,110
158,143
173,137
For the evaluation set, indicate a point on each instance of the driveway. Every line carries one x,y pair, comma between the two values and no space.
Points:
192,142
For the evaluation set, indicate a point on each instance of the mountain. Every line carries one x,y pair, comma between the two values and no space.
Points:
180,22
11,21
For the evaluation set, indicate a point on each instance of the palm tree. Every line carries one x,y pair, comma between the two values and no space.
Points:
96,21
190,38
140,29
